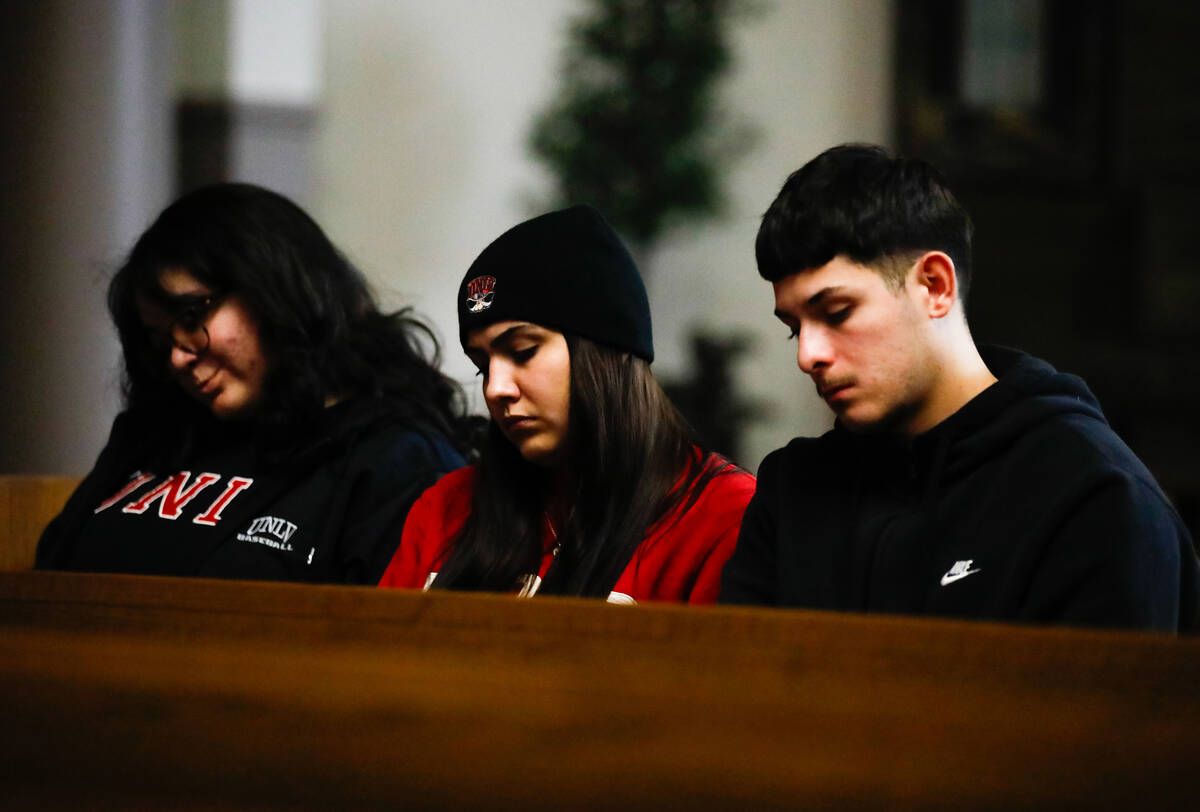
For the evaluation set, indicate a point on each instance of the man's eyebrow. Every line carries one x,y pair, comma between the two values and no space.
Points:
812,301
824,293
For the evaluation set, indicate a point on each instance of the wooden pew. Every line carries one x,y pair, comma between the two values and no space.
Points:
133,692
27,504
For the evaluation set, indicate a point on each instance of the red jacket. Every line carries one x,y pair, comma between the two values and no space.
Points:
679,560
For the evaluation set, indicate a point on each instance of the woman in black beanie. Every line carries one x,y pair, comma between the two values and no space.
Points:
590,483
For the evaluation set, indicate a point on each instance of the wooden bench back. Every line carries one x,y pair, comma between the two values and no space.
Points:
27,504
148,692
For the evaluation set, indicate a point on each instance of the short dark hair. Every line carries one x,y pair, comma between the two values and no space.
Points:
322,331
863,202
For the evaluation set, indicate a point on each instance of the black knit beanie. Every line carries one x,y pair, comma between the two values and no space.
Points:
566,270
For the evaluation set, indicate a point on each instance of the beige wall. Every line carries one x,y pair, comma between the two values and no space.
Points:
85,161
420,159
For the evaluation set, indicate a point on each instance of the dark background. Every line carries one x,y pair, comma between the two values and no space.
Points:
1085,205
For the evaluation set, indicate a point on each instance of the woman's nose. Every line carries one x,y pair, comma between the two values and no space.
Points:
500,383
182,357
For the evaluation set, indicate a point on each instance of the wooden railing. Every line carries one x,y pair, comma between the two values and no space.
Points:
143,692
131,692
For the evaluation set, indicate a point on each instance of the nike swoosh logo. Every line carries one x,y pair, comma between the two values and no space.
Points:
951,577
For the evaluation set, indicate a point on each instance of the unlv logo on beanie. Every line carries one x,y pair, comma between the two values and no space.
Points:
565,270
480,292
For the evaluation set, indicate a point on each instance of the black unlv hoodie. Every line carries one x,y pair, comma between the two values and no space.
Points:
329,513
1024,505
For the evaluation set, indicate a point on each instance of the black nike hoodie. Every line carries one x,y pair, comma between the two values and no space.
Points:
1023,505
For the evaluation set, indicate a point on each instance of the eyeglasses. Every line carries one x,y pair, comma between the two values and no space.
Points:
187,330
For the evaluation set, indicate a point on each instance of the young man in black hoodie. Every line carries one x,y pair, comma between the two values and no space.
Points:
958,481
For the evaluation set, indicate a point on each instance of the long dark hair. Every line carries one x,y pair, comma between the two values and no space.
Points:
322,332
631,462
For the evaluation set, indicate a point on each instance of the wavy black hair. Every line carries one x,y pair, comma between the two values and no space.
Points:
631,462
874,207
322,332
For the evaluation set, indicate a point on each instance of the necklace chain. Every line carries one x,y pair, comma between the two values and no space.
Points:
553,534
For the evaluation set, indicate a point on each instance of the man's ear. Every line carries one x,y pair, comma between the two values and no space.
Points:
933,276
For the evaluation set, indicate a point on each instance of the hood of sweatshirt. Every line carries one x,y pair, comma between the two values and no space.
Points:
900,485
1027,392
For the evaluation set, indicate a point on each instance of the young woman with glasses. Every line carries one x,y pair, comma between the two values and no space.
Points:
589,483
277,425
